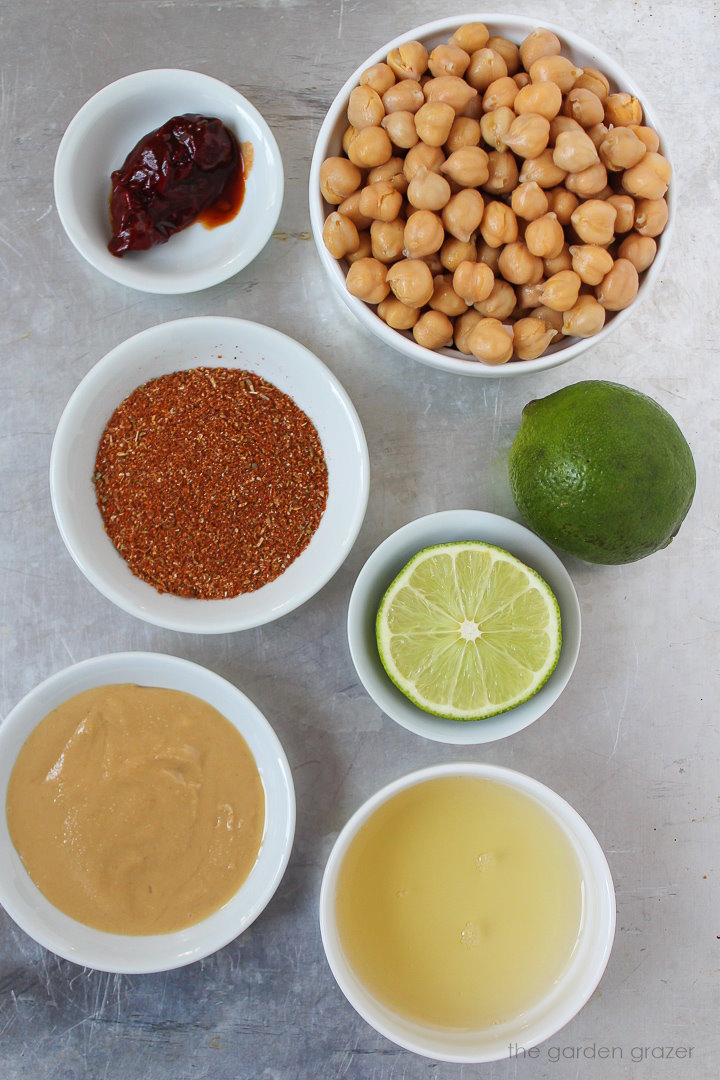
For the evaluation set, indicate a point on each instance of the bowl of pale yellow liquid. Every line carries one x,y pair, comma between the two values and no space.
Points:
467,912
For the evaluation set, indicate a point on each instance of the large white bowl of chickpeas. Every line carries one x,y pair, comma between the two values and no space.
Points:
490,197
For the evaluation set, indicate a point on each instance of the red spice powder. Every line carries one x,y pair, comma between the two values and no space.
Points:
210,482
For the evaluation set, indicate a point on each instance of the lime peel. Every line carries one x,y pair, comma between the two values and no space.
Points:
467,631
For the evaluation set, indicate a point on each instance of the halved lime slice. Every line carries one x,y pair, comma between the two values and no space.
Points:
467,631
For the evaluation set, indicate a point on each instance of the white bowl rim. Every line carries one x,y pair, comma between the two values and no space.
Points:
576,830
153,281
92,955
96,376
450,359
473,732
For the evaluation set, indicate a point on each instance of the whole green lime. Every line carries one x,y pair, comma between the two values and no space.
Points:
602,472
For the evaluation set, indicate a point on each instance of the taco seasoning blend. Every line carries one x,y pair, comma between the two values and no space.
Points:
210,482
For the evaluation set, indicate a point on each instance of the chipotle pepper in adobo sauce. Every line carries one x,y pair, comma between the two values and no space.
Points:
189,169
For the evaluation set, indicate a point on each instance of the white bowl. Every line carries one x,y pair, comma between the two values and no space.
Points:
385,564
175,346
329,143
569,993
74,941
102,134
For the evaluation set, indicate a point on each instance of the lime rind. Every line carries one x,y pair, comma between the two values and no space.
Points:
421,646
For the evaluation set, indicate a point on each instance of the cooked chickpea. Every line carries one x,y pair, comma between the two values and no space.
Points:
388,240
561,261
448,60
486,66
392,170
364,249
379,77
433,263
411,281
463,213
454,251
651,216
619,287
400,126
471,37
444,297
648,179
365,108
538,43
473,109
349,136
585,318
405,96
561,290
544,237
590,262
340,235
464,326
367,279
490,256
551,318
502,173
584,106
555,69
592,79
529,201
621,149
380,202
451,90
338,179
422,157
574,151
542,170
501,302
473,281
495,126
350,208
528,135
598,134
522,79
647,136
621,110
639,250
501,92
528,296
499,225
467,167
433,122
560,123
490,342
562,203
396,314
423,234
408,61
543,99
518,265
588,182
464,132
594,221
509,52
625,206
428,190
531,337
370,147
433,330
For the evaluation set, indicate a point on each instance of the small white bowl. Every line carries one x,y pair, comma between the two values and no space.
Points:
102,134
329,143
215,342
569,993
385,564
74,941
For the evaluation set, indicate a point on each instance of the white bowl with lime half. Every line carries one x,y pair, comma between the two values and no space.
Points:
381,569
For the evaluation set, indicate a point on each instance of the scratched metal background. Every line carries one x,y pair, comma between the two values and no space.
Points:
632,743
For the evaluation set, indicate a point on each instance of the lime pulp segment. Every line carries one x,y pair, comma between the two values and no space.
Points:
467,631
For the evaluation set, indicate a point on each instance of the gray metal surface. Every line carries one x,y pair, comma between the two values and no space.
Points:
633,741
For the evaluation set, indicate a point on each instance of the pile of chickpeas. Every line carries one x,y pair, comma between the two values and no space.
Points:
493,196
